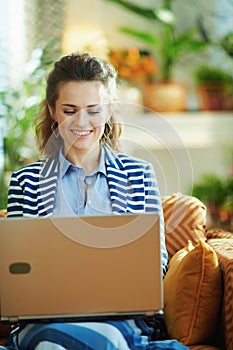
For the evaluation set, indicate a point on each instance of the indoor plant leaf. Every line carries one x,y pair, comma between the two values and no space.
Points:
145,36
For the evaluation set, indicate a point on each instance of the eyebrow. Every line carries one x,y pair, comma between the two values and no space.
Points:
74,106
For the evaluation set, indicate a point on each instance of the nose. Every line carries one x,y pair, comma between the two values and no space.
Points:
81,117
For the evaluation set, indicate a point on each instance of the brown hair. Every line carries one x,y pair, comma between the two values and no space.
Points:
75,67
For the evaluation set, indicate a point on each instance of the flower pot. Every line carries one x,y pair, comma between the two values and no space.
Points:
165,96
213,97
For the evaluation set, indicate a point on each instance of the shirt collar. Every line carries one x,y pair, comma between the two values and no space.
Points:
65,164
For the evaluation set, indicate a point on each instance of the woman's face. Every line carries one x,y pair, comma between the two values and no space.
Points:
81,112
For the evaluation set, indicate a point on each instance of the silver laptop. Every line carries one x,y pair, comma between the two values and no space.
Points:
80,268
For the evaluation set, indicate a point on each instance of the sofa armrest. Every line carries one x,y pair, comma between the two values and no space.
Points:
224,250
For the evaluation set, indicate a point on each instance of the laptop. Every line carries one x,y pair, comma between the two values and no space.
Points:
80,268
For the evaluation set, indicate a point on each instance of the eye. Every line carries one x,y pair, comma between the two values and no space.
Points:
94,111
69,112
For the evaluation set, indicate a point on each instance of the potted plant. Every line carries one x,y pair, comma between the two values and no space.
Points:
134,65
217,193
215,88
167,46
135,68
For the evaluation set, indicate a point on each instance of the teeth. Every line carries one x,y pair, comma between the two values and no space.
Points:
80,133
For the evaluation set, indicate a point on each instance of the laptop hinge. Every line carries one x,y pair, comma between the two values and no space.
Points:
11,319
150,313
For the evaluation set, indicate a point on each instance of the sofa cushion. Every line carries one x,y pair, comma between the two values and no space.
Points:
185,219
224,251
192,294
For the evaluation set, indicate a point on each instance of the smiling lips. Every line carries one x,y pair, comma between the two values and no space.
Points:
81,133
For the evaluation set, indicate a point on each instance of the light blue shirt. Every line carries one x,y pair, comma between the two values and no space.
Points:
70,193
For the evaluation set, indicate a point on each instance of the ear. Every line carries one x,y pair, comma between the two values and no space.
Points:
52,113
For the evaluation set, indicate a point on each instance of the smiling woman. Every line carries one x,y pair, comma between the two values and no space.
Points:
83,173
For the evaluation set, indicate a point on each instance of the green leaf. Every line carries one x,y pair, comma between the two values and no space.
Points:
227,43
211,189
142,11
144,36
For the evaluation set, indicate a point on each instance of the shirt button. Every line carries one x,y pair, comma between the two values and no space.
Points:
89,202
88,181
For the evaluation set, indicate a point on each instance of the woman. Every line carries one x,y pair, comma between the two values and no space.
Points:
83,173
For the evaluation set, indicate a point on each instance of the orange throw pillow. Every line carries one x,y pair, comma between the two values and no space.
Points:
192,294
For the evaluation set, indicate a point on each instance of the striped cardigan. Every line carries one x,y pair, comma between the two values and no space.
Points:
132,184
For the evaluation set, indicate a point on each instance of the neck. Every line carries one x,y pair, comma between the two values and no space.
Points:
87,160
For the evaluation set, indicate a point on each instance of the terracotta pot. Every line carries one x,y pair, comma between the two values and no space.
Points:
211,97
165,96
214,98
